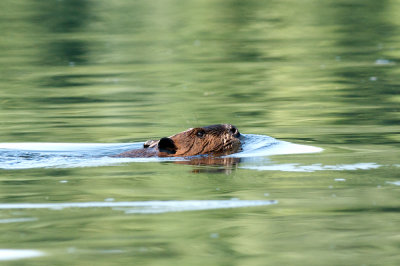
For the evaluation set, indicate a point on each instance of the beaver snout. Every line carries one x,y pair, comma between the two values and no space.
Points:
221,139
232,130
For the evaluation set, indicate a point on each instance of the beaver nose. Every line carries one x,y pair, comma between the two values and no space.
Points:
233,130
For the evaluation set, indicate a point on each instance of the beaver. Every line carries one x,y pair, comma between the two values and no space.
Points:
217,140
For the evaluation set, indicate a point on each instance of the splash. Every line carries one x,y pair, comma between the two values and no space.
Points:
260,145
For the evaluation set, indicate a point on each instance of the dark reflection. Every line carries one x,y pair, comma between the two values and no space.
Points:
63,16
364,29
59,17
210,164
376,209
361,138
242,47
66,52
75,80
68,100
363,22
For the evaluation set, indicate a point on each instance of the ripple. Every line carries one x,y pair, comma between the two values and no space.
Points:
15,254
145,206
294,167
396,183
69,155
17,220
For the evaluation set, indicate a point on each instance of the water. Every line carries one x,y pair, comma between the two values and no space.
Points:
321,74
65,155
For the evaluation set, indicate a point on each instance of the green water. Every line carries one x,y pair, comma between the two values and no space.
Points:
321,73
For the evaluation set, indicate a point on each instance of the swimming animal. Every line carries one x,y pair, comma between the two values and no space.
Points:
217,140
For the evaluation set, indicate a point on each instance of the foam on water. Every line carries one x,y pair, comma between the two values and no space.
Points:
260,145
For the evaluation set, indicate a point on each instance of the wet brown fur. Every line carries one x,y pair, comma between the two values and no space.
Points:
217,140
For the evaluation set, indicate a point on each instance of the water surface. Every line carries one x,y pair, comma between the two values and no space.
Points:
65,155
317,73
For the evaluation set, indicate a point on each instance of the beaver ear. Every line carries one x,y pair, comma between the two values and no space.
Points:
149,143
167,145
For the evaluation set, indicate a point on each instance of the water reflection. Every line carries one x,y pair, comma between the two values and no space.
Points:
62,18
210,164
65,53
320,73
365,35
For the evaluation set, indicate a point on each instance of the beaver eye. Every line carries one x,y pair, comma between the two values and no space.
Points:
200,134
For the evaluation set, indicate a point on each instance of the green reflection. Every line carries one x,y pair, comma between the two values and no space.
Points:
317,72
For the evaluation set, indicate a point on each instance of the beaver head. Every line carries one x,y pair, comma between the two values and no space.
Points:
215,139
